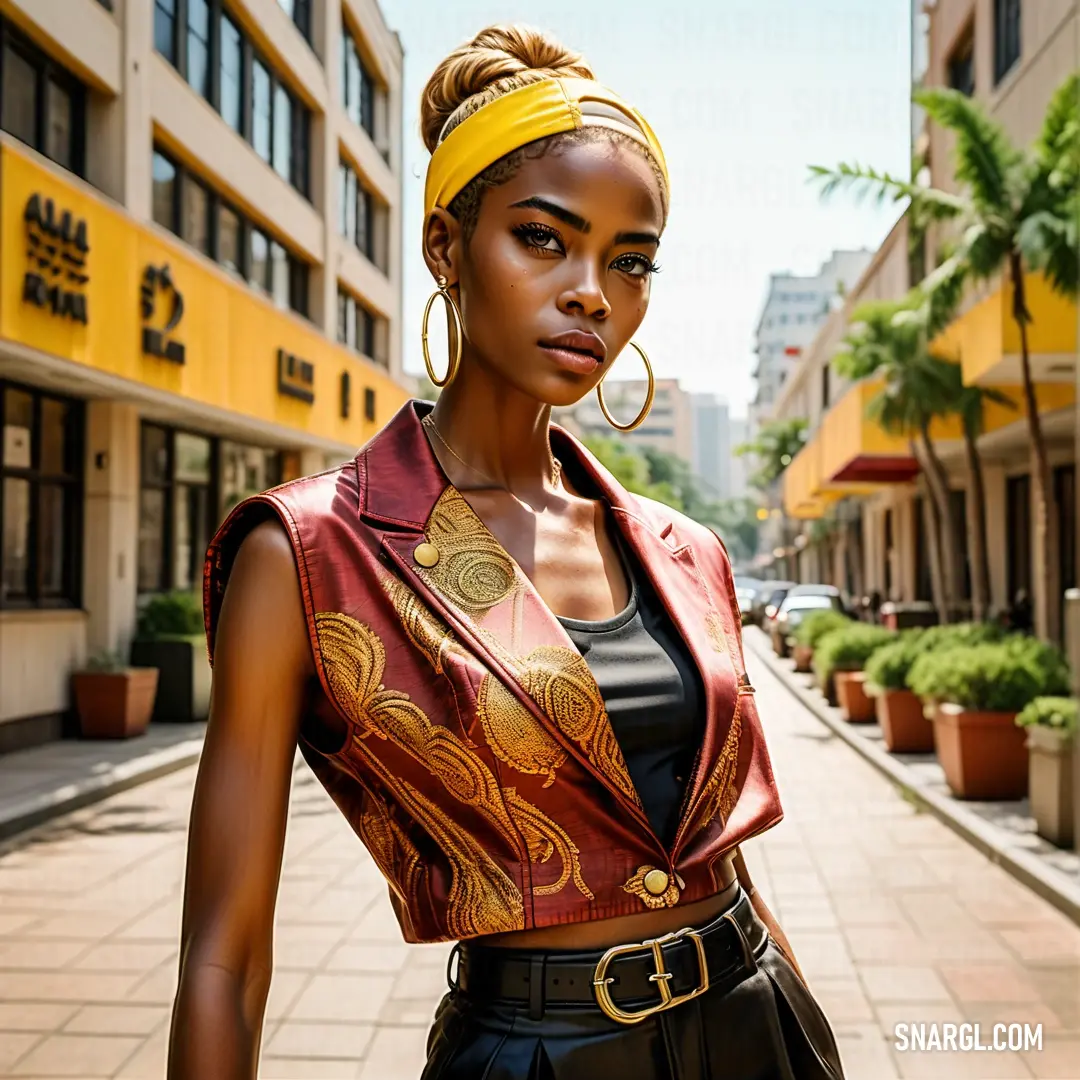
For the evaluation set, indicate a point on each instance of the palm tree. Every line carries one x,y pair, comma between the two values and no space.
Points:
1018,210
888,339
775,446
967,402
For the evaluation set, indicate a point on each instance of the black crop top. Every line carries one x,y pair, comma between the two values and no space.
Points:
653,695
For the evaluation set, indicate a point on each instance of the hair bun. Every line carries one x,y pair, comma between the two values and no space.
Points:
498,52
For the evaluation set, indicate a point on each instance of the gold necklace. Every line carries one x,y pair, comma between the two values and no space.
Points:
556,465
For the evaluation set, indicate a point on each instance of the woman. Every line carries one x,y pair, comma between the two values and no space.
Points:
522,685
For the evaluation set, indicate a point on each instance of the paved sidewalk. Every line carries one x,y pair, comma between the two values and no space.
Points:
892,916
38,784
1002,830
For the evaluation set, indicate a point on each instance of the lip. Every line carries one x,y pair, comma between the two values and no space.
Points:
578,362
577,341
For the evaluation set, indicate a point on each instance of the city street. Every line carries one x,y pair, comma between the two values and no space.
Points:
893,919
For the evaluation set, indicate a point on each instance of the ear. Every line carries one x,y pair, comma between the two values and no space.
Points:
442,244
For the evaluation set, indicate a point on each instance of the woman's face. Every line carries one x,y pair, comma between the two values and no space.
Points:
556,277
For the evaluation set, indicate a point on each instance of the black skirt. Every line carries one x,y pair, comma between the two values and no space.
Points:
534,1015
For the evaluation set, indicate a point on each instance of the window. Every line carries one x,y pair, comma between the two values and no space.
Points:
198,46
1006,36
41,481
41,103
361,218
175,508
231,104
222,64
362,329
164,191
962,64
196,222
187,206
369,404
245,470
359,88
300,13
259,265
261,111
230,239
165,28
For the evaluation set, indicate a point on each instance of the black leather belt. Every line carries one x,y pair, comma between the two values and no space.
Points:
627,982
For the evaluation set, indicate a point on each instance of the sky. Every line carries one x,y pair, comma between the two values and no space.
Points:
743,95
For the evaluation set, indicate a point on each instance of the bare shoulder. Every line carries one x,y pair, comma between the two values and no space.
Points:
263,605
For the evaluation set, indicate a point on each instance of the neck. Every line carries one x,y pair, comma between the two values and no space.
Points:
496,430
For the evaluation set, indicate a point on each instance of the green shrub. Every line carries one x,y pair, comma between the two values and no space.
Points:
888,668
965,633
994,677
170,615
1054,712
108,660
1048,660
817,624
848,648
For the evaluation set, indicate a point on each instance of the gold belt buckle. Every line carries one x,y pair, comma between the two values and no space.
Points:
602,981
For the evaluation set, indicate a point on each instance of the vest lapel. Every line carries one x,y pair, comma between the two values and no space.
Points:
541,702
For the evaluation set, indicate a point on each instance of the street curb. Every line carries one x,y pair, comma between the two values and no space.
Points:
1020,864
39,809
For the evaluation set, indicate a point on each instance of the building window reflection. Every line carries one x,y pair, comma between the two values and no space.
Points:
41,500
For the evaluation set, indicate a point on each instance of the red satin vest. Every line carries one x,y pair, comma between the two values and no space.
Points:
480,769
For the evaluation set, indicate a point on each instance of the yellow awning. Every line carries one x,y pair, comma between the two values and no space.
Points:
985,340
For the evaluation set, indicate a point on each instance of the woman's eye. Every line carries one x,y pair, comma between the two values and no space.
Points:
536,237
636,265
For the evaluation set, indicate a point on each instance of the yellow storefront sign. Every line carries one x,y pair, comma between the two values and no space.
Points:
81,280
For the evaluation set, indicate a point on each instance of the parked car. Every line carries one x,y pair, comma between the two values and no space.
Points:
800,602
768,600
745,590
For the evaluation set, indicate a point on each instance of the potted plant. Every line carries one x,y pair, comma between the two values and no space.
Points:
904,726
954,635
811,630
980,690
1050,723
112,699
171,637
840,656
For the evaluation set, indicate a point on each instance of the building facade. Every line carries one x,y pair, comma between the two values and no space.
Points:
794,308
668,427
716,435
862,484
200,295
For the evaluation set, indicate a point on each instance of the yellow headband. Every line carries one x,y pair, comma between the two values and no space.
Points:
532,112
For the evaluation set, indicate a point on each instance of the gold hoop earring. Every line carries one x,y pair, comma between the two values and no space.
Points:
455,334
648,395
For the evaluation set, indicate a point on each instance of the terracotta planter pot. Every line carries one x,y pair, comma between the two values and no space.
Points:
803,655
1050,783
114,704
983,753
905,728
850,692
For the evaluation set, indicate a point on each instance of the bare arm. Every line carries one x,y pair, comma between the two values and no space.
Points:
763,912
262,664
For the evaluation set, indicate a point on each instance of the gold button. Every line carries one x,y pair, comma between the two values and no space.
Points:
426,554
656,882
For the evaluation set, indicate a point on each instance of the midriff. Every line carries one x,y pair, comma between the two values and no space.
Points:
623,929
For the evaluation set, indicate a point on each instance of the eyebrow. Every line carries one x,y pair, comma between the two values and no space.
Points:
576,221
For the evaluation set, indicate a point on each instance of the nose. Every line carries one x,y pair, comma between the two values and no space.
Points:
586,295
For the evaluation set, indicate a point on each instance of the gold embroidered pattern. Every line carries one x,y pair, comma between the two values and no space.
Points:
514,734
394,853
714,628
544,838
426,631
560,682
636,887
482,898
354,660
473,570
720,794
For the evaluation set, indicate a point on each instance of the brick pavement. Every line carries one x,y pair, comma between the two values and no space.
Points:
892,916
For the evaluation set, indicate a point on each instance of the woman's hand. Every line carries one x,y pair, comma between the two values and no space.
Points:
262,665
